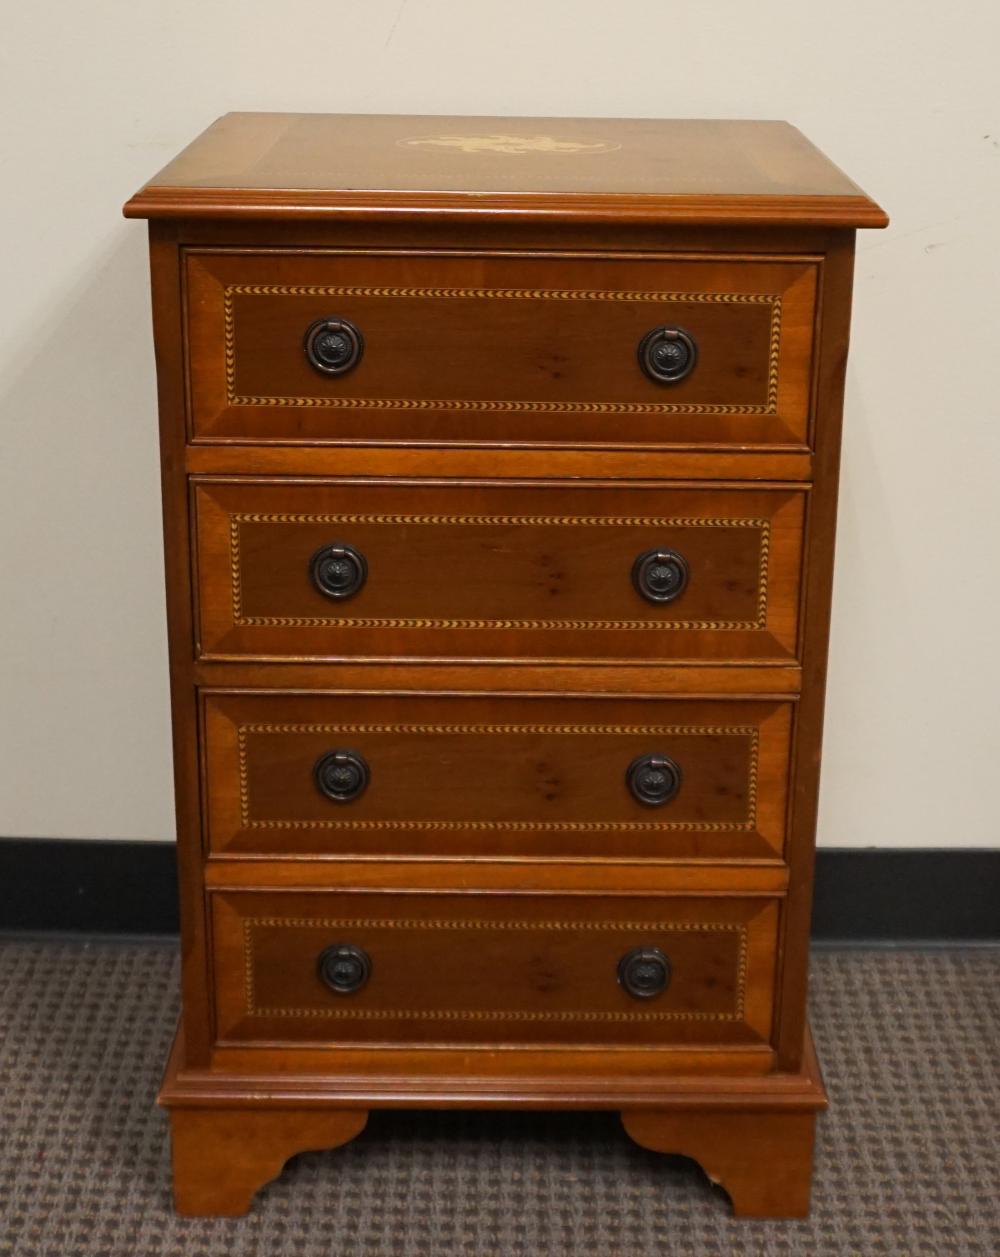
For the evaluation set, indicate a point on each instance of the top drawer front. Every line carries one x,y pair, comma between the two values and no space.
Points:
473,349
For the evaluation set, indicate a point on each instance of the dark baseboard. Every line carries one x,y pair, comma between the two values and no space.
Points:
907,895
55,884
867,895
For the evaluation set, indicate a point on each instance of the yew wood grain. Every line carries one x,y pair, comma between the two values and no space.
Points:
596,462
633,678
482,348
762,1160
710,1078
502,272
225,1149
177,545
817,594
762,1155
519,236
610,876
222,1158
497,570
464,969
494,776
623,171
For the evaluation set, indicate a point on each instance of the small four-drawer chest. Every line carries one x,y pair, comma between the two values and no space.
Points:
499,471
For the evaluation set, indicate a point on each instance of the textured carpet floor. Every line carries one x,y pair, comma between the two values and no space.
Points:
907,1159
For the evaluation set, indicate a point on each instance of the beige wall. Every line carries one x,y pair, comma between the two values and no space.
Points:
902,93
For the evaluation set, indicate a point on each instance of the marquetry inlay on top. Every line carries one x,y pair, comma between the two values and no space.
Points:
546,319
384,165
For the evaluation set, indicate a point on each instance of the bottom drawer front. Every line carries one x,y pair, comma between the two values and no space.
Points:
475,969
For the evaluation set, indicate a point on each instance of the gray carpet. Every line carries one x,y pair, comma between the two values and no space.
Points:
906,1162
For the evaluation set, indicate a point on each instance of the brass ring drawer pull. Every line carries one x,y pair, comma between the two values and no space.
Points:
668,354
653,779
660,575
341,775
644,972
338,570
333,345
344,968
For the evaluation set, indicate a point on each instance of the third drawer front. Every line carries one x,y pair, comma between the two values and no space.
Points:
339,569
349,775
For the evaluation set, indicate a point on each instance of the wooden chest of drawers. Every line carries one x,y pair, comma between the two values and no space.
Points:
499,472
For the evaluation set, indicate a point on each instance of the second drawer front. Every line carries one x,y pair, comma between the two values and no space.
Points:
361,775
486,571
468,969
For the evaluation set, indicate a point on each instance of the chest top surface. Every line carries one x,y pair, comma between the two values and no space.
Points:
302,166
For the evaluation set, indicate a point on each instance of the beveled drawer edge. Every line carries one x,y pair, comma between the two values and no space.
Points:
199,487
810,259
